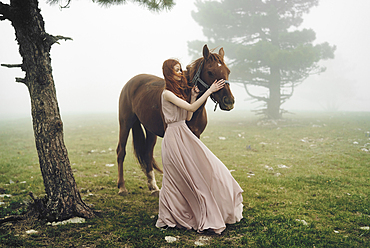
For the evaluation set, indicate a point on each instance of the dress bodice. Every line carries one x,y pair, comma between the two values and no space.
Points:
171,112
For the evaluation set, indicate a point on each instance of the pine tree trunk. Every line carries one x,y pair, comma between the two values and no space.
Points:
274,102
62,199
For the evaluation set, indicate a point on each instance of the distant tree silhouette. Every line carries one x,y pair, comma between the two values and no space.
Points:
265,47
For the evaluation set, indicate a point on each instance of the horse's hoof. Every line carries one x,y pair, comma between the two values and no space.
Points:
123,192
154,193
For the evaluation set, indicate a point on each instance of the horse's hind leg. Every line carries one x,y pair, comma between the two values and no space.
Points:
150,163
124,130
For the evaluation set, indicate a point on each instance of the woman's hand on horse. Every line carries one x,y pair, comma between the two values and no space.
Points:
194,92
217,85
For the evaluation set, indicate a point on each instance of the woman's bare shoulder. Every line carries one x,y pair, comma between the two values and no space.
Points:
167,95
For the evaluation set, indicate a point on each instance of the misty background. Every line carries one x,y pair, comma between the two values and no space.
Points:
111,45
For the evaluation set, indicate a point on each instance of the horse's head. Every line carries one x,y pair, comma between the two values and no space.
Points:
210,68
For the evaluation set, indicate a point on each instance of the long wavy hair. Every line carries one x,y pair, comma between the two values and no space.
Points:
179,87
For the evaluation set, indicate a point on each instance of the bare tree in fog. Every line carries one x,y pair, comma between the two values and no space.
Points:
62,198
265,47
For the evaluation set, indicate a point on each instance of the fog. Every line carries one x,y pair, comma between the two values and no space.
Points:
111,45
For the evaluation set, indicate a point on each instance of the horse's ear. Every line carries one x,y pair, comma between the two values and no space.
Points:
221,52
205,52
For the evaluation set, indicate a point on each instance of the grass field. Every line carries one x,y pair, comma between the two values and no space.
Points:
306,182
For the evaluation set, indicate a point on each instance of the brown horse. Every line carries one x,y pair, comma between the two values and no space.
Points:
140,105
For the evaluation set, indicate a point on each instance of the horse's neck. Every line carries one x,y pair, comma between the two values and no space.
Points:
187,76
202,108
199,120
193,68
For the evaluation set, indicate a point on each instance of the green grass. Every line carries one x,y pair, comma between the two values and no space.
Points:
325,182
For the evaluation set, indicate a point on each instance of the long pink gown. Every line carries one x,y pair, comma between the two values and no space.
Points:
198,191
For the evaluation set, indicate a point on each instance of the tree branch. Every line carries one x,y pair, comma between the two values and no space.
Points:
287,96
20,80
4,11
65,6
59,37
50,39
11,65
259,98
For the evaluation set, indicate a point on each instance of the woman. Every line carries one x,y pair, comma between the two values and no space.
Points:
198,192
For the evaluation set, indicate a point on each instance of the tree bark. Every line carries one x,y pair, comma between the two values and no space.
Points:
62,198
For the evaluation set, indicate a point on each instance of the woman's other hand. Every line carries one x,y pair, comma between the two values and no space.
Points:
194,92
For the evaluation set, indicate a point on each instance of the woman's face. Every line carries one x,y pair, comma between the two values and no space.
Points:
178,71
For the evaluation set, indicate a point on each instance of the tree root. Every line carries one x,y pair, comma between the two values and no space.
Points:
12,218
38,210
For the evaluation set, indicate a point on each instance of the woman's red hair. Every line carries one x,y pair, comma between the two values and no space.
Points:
179,87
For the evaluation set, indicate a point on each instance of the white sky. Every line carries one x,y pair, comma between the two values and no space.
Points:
111,45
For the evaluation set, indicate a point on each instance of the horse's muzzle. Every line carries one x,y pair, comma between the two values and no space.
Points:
227,103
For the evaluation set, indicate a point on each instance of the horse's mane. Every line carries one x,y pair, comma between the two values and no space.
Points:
192,69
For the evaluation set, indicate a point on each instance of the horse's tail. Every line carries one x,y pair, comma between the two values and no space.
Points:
147,162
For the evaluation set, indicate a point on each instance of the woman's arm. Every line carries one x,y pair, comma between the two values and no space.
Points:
192,107
193,98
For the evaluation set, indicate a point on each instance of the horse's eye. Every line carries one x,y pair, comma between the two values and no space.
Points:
210,74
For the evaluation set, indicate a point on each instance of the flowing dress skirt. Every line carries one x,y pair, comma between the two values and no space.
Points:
198,191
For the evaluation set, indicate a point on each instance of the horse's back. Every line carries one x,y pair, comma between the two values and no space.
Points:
141,96
137,82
